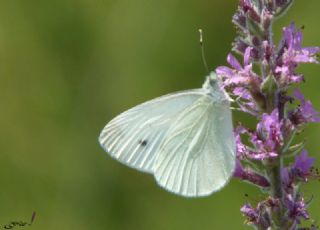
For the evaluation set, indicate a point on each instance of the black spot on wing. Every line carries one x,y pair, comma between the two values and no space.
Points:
143,143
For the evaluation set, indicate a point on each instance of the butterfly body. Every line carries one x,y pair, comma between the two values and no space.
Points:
184,139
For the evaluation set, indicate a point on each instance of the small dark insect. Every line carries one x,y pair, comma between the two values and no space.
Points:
143,142
246,194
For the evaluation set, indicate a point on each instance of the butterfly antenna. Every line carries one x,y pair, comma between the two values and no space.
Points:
202,51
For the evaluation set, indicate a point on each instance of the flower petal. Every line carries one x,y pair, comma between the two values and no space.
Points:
224,71
234,62
247,54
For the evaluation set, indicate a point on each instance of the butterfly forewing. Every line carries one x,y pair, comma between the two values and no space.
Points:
135,136
197,156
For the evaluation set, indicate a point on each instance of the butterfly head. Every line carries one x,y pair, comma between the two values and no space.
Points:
214,87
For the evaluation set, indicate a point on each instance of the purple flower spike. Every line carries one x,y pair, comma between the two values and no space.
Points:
260,151
305,113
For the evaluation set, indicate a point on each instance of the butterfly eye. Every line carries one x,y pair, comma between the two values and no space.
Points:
213,82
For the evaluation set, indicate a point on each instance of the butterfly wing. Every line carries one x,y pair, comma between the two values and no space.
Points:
197,156
134,137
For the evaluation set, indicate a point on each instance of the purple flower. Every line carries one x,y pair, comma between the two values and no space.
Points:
305,112
266,140
291,54
302,165
241,149
300,170
238,75
259,216
239,170
247,103
242,81
261,146
287,180
297,208
250,213
294,52
303,162
250,176
268,137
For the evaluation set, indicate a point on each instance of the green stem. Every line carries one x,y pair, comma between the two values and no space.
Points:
274,173
275,100
275,178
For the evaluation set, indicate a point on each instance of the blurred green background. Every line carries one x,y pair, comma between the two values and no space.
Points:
67,67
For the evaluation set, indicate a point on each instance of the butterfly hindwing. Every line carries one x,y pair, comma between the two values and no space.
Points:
197,156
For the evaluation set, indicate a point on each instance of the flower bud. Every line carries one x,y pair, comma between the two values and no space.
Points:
267,18
240,21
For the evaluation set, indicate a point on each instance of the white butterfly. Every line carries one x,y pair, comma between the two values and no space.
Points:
184,139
